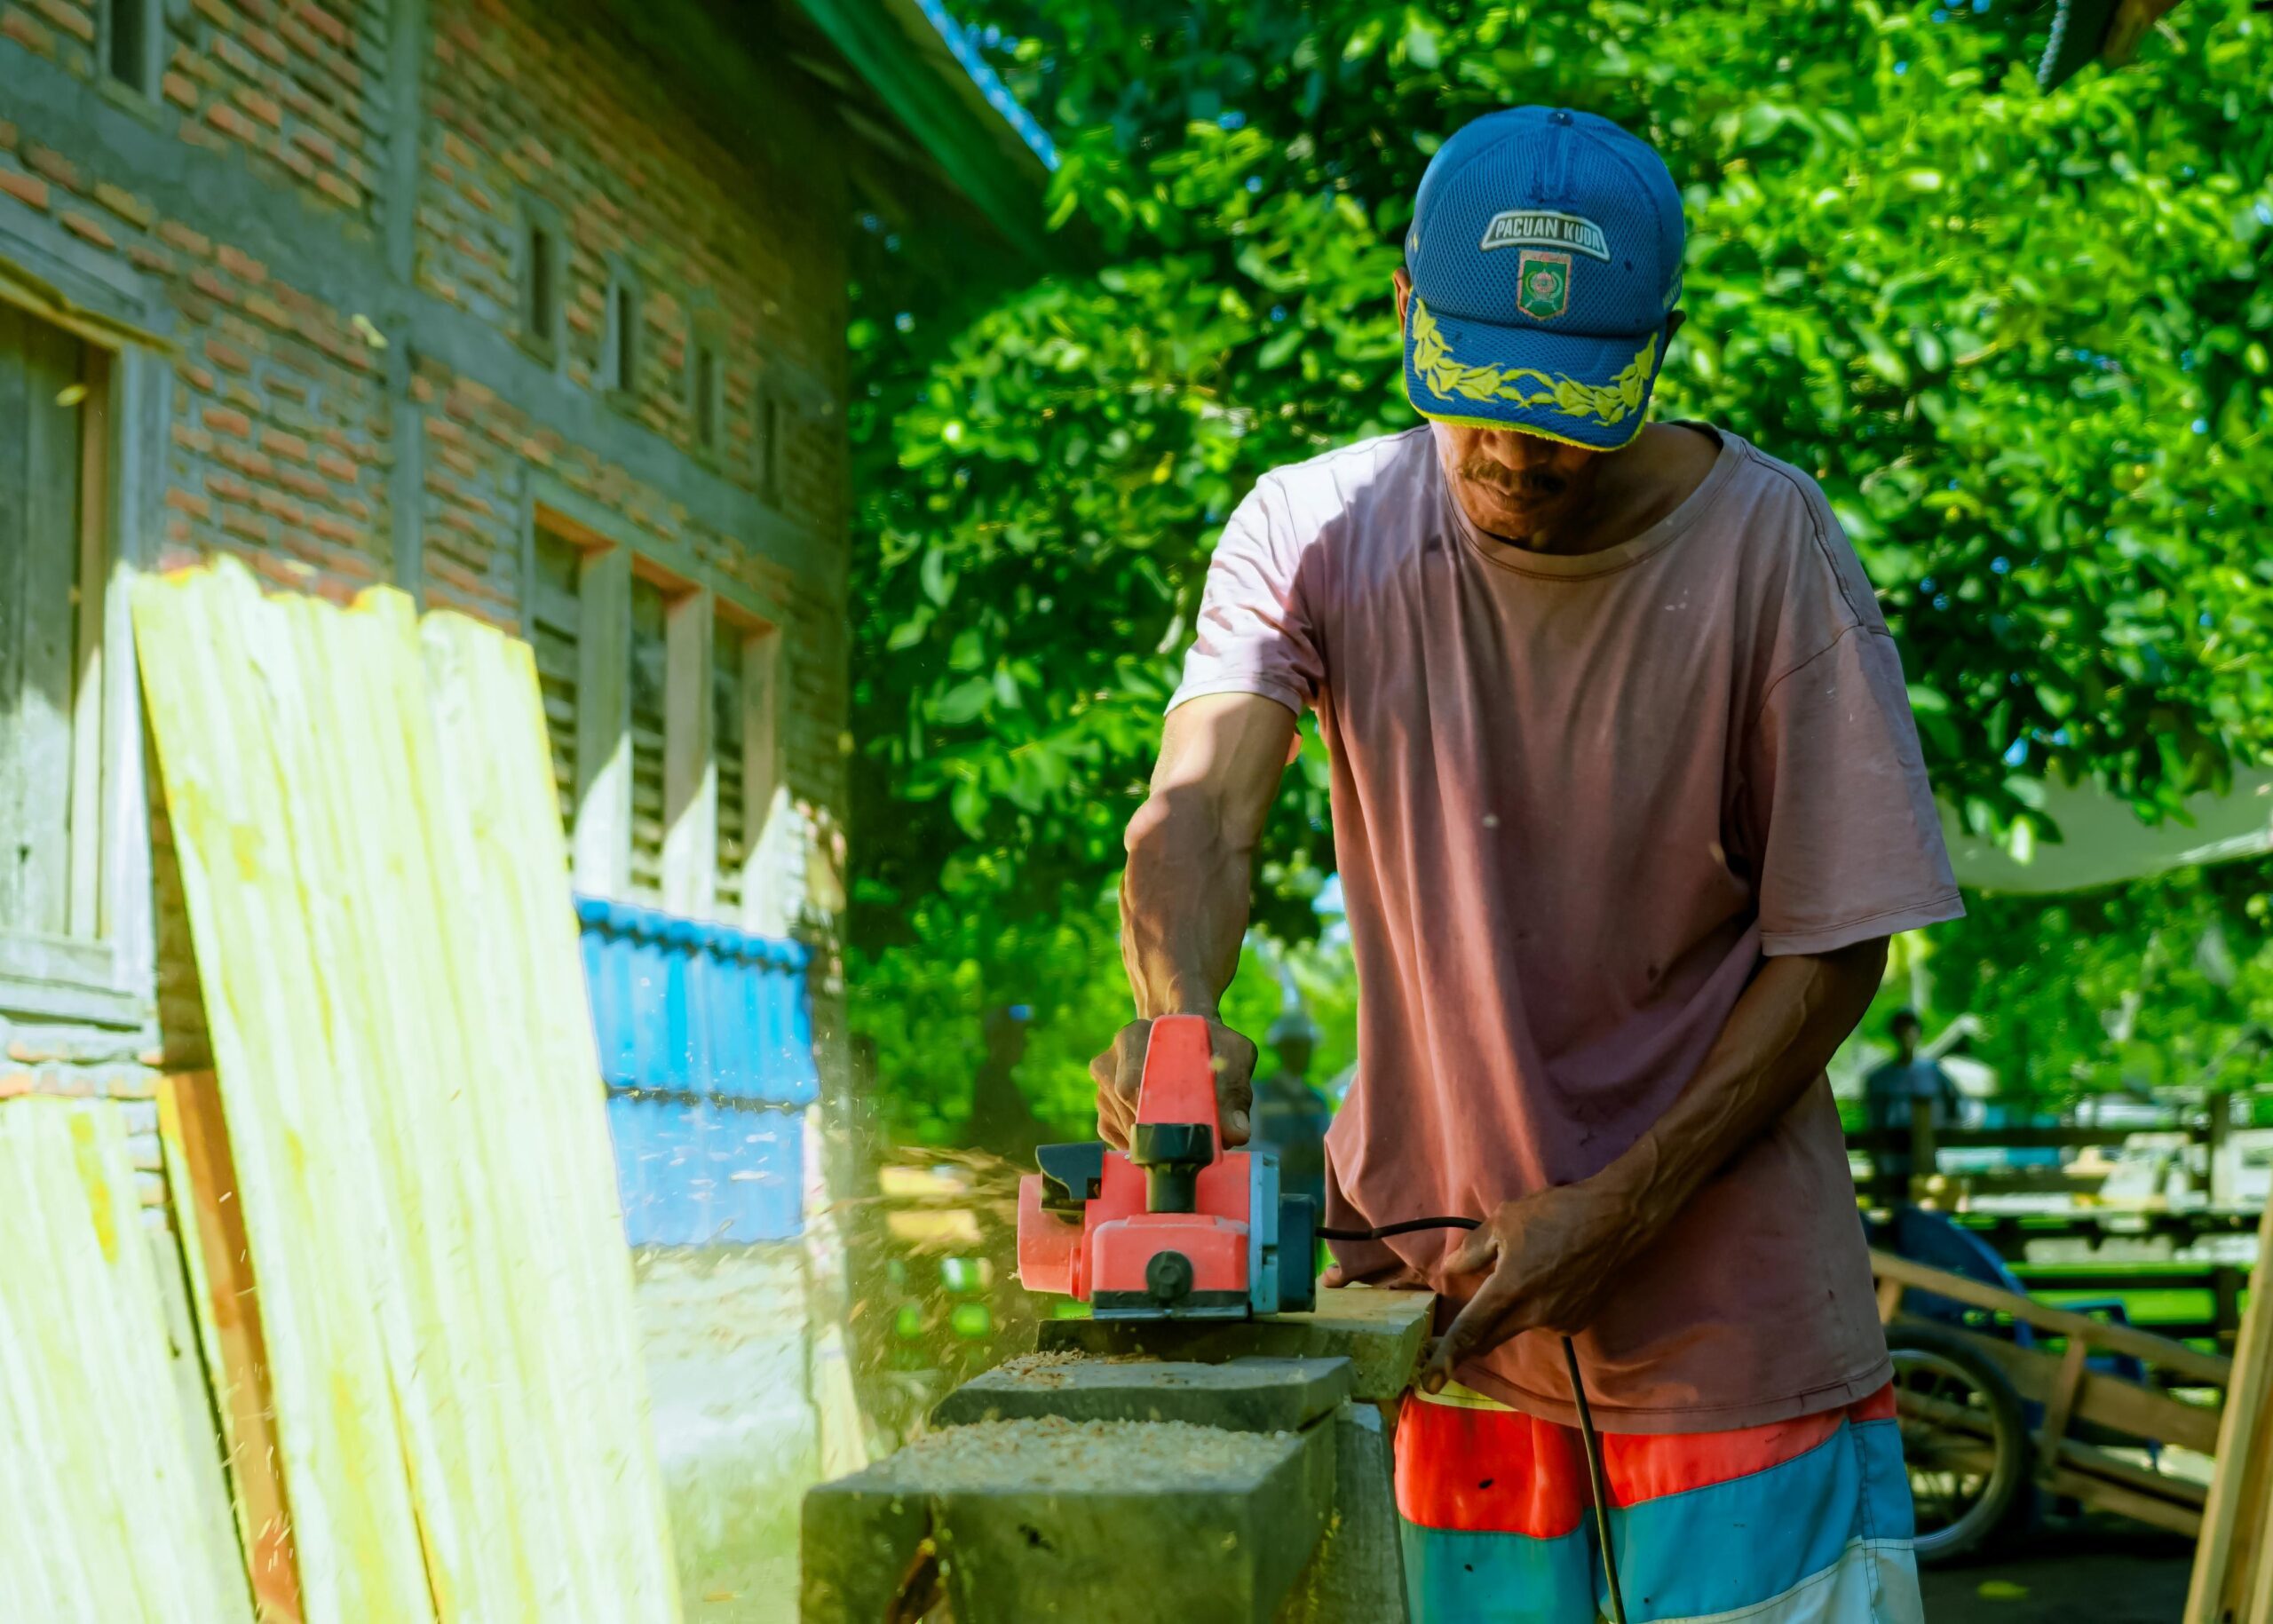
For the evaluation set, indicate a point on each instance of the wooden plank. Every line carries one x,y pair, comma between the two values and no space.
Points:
1889,1295
96,1463
2229,1558
2160,1351
476,1263
2103,1400
90,577
602,837
138,392
227,701
360,817
553,1166
225,1301
690,868
2101,1495
2053,1431
2102,1463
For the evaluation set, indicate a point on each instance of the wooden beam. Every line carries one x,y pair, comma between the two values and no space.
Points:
2175,1357
2101,1495
2061,1406
2232,1545
601,840
690,764
2106,1463
202,1179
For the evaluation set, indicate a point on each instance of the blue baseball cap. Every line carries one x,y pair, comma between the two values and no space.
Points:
1545,255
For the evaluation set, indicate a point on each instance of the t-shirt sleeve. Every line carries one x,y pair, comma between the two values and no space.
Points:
1848,840
1255,633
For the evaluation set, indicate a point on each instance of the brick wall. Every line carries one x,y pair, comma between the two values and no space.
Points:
309,338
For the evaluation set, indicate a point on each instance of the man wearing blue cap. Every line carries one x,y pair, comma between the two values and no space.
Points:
1626,800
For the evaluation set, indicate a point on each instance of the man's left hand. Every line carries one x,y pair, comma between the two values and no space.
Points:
1554,1258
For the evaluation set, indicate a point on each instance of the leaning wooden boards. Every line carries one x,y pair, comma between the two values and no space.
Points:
391,978
2233,1560
102,1519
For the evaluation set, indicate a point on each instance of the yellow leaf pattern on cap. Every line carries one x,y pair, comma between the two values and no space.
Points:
1612,402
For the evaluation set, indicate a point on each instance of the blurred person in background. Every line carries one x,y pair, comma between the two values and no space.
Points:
1290,1117
1890,1092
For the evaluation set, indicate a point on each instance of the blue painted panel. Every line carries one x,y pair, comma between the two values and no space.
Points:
694,1173
706,1015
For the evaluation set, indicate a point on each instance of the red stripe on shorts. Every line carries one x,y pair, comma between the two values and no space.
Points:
1500,1471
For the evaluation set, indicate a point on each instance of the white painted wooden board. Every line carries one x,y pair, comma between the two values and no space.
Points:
102,1523
406,1070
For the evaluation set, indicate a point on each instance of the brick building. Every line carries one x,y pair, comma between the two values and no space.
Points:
535,310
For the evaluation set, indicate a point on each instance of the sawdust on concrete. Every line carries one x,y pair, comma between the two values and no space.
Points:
1049,1369
1050,1453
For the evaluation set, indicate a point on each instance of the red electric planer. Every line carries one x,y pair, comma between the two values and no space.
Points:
1177,1227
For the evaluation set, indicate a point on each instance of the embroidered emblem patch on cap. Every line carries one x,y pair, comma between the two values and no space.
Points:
1543,285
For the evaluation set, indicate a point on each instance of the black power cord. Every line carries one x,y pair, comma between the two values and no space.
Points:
1587,1436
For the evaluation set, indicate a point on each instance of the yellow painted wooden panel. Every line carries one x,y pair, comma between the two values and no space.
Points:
228,708
555,1170
376,890
101,1519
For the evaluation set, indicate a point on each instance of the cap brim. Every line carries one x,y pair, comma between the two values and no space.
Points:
1576,388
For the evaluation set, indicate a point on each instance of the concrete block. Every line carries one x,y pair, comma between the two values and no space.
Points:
1055,1522
1381,1333
1245,1395
1358,1573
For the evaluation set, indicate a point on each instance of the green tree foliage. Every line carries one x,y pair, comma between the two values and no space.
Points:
2020,340
2161,983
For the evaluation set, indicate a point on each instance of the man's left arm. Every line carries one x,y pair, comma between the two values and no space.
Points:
1556,1257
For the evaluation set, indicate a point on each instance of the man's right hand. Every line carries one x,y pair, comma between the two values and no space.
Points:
1120,1072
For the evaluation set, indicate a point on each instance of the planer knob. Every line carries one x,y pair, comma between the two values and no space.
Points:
1171,1154
1168,1278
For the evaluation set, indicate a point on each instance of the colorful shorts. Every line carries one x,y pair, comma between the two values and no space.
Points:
1798,1522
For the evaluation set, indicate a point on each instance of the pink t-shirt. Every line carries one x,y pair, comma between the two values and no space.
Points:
1575,800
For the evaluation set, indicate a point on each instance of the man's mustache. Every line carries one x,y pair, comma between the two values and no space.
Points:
1534,482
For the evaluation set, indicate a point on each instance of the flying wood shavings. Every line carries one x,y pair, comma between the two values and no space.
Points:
1051,1454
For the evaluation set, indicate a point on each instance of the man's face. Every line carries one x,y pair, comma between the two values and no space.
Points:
1906,1033
1517,486
1521,486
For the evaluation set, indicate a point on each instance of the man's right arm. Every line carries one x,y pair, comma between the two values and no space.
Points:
1184,894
